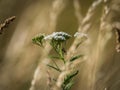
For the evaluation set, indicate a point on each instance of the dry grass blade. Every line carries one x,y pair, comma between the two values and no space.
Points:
6,23
117,39
49,81
86,22
77,8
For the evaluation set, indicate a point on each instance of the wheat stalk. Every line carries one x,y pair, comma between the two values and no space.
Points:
6,23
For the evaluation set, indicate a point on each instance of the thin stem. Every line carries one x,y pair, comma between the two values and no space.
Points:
61,53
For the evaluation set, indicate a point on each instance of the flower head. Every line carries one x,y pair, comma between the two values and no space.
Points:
55,38
58,36
82,36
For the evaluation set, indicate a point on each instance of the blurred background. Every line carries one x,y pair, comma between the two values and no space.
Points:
19,57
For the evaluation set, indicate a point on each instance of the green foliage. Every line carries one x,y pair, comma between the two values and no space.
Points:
75,57
54,57
67,84
38,40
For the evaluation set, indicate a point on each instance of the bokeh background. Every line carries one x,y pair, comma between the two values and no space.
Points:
19,57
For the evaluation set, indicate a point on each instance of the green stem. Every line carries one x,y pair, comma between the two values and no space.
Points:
61,53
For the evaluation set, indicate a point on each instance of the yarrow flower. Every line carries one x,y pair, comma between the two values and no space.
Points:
58,36
81,35
57,41
61,36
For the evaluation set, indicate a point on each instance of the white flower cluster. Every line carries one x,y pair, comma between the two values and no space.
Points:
81,35
58,36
